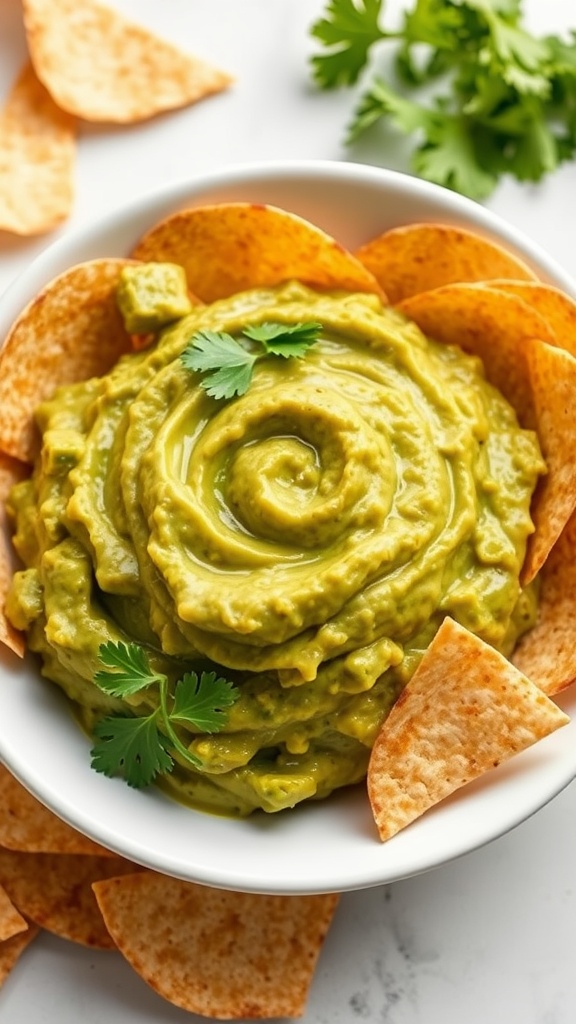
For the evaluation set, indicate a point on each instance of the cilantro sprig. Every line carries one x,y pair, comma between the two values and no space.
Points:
228,364
348,30
138,748
480,94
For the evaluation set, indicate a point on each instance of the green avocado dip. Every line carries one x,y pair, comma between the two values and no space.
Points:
305,539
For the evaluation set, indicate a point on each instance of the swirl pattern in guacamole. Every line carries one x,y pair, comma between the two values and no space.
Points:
307,537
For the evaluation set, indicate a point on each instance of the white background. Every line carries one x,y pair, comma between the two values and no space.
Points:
491,937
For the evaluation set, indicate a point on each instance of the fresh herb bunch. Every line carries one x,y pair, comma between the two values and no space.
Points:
138,748
496,99
229,365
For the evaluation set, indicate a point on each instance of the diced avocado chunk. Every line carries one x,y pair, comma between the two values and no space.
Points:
151,295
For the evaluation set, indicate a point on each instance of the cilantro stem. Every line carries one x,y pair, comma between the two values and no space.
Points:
168,728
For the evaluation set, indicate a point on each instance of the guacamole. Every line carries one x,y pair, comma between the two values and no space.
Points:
306,538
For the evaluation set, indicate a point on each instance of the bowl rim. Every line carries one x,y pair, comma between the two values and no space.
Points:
243,173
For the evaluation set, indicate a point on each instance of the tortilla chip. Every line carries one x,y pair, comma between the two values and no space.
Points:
100,66
11,922
557,308
553,379
547,654
71,331
491,324
37,158
230,247
221,954
12,949
25,824
11,471
418,257
465,710
54,891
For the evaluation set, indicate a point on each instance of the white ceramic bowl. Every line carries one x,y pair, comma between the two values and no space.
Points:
325,846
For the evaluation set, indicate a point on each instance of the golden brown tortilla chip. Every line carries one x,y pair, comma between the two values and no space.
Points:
25,824
55,891
221,954
553,380
547,654
71,331
12,949
465,710
37,157
11,922
11,471
419,257
100,66
557,308
230,247
491,324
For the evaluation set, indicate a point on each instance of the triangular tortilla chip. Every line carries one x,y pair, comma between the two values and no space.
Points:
26,825
488,323
553,379
557,308
418,257
12,949
37,158
227,955
71,331
465,710
100,66
230,247
547,654
11,471
55,891
11,922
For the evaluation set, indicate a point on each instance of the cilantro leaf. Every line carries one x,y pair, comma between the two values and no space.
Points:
132,748
504,99
349,29
562,54
510,43
522,58
433,22
228,381
231,364
449,157
285,339
139,748
535,153
382,101
201,701
132,670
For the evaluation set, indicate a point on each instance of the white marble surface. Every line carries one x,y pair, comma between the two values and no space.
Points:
490,937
